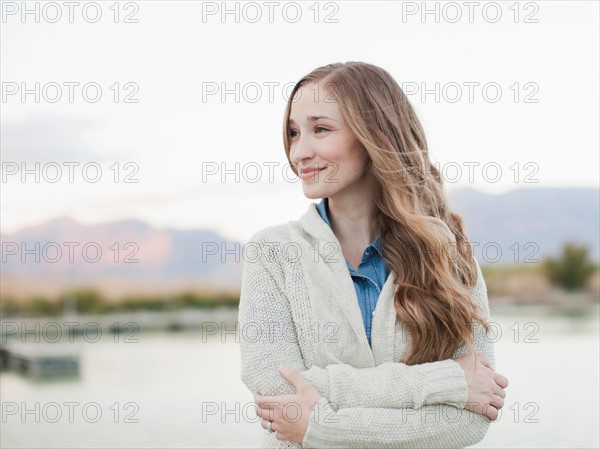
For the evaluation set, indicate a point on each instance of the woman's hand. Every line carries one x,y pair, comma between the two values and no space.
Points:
486,387
289,413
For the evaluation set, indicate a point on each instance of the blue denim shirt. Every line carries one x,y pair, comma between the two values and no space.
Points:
370,277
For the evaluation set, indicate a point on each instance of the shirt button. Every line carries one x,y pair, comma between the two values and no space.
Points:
366,252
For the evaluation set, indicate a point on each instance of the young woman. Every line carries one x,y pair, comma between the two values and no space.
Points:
365,323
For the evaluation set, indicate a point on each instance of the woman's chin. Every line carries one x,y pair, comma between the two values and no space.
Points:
312,193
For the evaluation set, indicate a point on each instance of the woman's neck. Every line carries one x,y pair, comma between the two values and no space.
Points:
350,219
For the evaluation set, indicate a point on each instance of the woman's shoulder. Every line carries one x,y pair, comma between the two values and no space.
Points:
272,247
286,234
281,232
272,237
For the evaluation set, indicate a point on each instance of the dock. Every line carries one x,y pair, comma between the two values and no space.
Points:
48,346
41,360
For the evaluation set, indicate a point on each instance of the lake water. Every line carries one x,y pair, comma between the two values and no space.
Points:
183,390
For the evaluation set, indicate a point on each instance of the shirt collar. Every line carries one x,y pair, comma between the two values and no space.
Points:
323,207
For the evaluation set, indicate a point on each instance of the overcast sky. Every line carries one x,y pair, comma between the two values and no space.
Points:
513,87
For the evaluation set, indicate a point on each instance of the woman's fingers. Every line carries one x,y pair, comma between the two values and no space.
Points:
268,414
500,392
501,380
272,401
265,425
491,412
497,402
491,409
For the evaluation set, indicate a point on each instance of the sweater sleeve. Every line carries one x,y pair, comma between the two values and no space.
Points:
430,426
264,315
391,385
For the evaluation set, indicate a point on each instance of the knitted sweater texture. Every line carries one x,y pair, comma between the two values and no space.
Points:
299,308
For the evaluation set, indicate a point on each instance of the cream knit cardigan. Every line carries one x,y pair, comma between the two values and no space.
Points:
299,308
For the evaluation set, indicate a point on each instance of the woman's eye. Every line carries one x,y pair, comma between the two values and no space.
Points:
293,133
320,128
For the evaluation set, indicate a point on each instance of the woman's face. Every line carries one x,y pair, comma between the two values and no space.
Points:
322,140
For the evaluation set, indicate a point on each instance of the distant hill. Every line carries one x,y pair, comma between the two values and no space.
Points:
542,218
132,256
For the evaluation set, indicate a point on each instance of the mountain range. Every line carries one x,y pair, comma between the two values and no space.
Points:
523,225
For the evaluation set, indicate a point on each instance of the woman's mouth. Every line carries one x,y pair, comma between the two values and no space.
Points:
311,173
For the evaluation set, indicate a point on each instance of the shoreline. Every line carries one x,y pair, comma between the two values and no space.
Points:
192,318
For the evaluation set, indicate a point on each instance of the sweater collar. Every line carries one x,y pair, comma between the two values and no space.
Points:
315,226
329,281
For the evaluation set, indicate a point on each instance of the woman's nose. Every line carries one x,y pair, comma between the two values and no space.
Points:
302,149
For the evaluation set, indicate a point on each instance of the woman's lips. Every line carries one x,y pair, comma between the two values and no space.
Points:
309,173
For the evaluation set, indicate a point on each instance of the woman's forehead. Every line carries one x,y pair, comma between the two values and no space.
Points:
311,104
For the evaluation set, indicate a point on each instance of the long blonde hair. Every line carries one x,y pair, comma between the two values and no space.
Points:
423,240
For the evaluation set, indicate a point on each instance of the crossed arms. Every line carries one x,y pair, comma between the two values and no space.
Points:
390,405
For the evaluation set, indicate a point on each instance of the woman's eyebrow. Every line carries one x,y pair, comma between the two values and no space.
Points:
313,118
